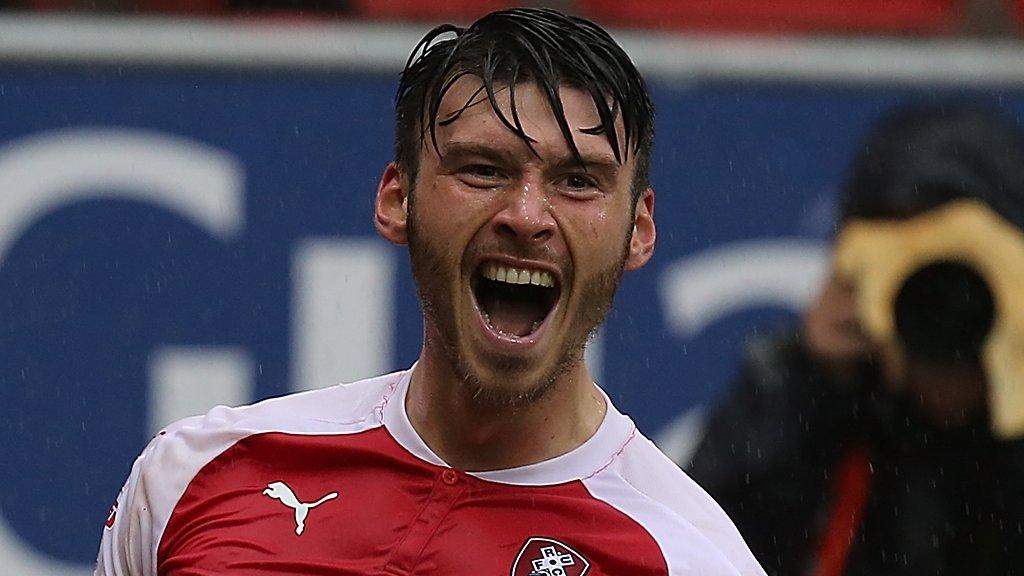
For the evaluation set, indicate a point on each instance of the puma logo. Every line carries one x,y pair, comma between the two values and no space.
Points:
281,491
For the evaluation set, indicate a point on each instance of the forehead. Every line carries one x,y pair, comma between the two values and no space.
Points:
466,113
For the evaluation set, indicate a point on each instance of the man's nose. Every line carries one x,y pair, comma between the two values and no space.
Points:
526,215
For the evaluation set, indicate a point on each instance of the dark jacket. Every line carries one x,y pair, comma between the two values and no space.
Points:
939,502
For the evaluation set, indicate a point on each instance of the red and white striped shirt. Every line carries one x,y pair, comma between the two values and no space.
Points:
336,481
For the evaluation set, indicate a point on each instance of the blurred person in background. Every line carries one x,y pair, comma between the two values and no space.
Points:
883,436
520,187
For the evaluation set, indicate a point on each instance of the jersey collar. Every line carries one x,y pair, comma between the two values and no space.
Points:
586,460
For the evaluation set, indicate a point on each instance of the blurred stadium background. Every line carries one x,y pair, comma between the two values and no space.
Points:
186,186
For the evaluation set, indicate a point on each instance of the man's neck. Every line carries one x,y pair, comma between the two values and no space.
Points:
473,435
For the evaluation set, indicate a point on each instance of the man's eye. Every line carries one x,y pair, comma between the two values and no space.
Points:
579,183
482,170
481,175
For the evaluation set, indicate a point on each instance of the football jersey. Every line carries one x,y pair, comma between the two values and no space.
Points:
337,482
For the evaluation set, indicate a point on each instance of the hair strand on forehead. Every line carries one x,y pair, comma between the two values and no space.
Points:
526,45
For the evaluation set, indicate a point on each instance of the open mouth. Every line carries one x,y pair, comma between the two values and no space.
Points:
513,301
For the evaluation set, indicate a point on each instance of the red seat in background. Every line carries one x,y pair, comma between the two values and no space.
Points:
847,17
924,17
462,11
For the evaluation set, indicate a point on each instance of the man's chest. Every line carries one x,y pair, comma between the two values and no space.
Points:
363,512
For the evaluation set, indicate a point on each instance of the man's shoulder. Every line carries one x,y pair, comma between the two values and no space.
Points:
190,443
321,410
341,405
647,469
234,445
674,504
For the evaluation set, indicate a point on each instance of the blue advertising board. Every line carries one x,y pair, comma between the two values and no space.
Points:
172,238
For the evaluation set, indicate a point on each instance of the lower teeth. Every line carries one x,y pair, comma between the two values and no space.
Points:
533,327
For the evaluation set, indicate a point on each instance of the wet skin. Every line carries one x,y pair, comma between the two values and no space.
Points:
516,395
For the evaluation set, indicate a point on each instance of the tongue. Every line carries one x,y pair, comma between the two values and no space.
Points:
512,317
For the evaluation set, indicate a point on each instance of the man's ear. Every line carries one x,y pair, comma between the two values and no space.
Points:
641,244
391,209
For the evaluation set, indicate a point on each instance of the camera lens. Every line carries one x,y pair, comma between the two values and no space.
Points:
944,312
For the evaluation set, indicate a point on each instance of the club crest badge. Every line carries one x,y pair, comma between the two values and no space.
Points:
548,557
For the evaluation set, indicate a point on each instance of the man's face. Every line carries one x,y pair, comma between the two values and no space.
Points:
517,256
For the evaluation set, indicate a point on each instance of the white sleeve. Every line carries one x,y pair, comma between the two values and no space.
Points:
164,470
128,546
159,478
653,474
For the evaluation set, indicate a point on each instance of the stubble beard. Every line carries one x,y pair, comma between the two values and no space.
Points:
433,278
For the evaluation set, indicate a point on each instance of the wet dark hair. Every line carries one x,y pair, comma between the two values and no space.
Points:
526,45
919,158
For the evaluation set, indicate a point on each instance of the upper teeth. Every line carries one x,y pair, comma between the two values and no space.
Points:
519,275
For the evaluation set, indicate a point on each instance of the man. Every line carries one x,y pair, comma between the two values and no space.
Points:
520,186
884,436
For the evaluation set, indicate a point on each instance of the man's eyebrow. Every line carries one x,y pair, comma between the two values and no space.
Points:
598,162
458,148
